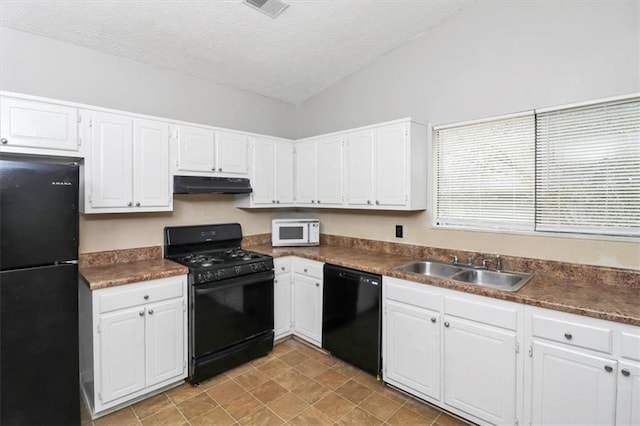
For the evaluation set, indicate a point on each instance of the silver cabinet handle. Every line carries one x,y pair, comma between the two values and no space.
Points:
625,372
318,201
275,281
150,311
313,201
608,368
317,284
282,267
213,169
273,201
368,201
219,169
146,297
129,204
277,201
446,324
4,141
568,336
433,320
138,204
141,313
305,269
377,203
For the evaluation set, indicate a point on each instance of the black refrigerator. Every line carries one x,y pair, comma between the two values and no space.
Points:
39,383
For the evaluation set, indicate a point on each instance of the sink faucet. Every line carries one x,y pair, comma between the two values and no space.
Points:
471,263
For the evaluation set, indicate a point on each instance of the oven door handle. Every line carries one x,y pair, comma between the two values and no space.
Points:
234,282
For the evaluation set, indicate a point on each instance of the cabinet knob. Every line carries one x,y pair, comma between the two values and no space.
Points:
317,284
4,141
446,324
277,201
568,336
368,201
213,169
146,297
625,372
150,311
313,201
275,281
318,201
377,203
608,368
273,201
433,319
305,270
129,204
219,169
141,313
138,204
282,267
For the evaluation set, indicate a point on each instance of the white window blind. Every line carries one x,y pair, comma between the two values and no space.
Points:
485,173
588,169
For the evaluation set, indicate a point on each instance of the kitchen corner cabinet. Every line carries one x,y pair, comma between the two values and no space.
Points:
458,351
38,127
283,291
133,341
202,151
307,299
319,171
271,173
582,370
126,168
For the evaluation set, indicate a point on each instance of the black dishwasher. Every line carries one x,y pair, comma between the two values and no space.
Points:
351,317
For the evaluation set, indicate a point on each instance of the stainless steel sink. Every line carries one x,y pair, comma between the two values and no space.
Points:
432,269
507,281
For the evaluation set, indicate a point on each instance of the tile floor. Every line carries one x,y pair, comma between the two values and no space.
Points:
294,385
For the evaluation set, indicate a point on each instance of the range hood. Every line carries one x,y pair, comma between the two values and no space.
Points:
210,185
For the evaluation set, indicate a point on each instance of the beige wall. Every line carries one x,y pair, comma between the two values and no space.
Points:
493,58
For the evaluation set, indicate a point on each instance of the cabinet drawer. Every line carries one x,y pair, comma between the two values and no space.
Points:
125,296
411,293
488,311
307,267
282,265
630,346
571,333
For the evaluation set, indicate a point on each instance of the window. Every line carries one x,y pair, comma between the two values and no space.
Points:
571,170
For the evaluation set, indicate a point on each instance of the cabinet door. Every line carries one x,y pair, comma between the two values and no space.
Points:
151,164
570,387
262,171
165,341
480,366
32,124
196,149
412,348
282,285
111,165
329,173
232,153
359,168
284,172
628,409
306,172
391,165
122,356
307,294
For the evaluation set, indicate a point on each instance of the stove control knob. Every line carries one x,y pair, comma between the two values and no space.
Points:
237,269
218,274
263,267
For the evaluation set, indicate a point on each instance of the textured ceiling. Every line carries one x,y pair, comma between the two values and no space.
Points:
310,46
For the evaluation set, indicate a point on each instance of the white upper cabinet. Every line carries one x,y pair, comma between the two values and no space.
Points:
306,173
329,171
270,172
391,170
358,167
208,152
126,168
39,128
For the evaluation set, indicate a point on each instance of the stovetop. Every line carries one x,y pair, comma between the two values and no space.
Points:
216,265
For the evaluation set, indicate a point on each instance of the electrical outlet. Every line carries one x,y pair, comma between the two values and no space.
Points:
398,231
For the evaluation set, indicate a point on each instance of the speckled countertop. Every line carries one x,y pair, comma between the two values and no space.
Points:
590,297
118,267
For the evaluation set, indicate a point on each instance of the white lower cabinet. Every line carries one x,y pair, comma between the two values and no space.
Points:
581,370
283,291
133,341
307,300
455,350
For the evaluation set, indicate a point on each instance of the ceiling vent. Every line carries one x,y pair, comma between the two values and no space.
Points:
271,8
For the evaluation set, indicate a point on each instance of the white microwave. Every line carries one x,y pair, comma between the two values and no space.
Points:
295,232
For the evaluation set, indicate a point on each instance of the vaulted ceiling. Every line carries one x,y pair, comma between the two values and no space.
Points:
310,46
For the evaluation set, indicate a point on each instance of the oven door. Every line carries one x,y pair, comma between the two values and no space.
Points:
230,312
290,234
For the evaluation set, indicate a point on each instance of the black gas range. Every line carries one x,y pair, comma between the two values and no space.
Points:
230,297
